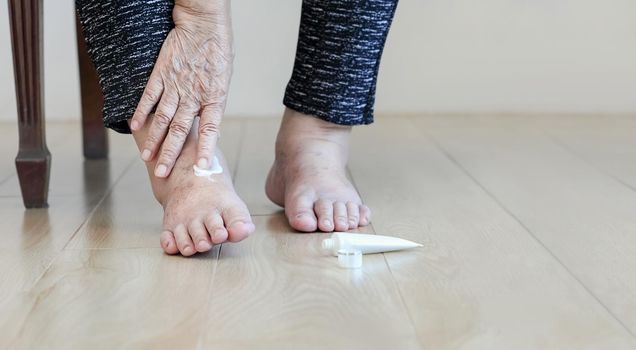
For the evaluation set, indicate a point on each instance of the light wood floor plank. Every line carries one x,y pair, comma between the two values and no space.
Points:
584,217
276,290
32,239
608,143
118,299
481,281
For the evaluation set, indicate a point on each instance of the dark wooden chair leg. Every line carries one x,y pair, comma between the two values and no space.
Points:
94,136
33,161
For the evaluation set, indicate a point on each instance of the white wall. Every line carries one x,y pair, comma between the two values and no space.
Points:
441,56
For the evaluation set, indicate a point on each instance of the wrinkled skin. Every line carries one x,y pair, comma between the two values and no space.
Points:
190,79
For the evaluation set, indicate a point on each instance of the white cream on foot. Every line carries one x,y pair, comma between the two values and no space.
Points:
216,168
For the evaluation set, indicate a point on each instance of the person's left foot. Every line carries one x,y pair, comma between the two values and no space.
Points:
309,178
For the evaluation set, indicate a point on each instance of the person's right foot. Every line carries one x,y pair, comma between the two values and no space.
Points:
198,211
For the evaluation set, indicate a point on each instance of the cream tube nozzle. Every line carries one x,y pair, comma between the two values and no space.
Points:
367,244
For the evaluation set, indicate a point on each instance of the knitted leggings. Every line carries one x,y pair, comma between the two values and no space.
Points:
338,53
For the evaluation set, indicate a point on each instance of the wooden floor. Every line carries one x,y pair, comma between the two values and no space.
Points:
528,225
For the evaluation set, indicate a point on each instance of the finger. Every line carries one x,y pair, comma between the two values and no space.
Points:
159,127
173,144
152,94
209,130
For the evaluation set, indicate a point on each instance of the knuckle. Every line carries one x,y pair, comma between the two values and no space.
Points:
151,141
168,155
209,128
162,119
151,96
179,128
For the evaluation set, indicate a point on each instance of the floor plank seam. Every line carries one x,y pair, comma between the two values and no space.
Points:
388,266
101,200
7,179
201,337
592,165
243,131
59,253
526,229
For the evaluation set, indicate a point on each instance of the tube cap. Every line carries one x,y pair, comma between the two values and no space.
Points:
350,258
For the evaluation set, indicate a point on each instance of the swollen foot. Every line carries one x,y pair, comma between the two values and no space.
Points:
309,179
198,211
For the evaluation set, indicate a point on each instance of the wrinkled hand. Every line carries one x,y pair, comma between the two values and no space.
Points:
191,78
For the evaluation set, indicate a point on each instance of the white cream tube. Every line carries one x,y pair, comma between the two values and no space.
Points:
367,244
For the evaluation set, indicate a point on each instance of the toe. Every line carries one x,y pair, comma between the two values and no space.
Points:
168,242
353,213
324,212
365,215
340,217
200,237
214,224
238,223
300,213
184,242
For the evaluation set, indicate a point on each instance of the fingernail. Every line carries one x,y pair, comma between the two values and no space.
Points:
145,155
202,163
161,170
134,125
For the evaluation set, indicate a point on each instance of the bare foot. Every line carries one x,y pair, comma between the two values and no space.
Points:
309,179
198,211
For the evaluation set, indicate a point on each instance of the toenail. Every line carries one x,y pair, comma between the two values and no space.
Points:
202,163
134,125
187,250
161,170
326,222
219,233
204,245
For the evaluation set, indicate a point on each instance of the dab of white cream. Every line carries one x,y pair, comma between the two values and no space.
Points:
214,169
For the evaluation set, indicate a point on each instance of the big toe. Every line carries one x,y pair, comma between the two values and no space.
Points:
238,223
300,214
168,242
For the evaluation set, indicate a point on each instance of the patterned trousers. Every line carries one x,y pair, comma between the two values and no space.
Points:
334,77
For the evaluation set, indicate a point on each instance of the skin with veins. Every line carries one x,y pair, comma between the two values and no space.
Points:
190,79
309,176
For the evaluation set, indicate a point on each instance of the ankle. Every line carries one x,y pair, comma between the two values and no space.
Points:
297,129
